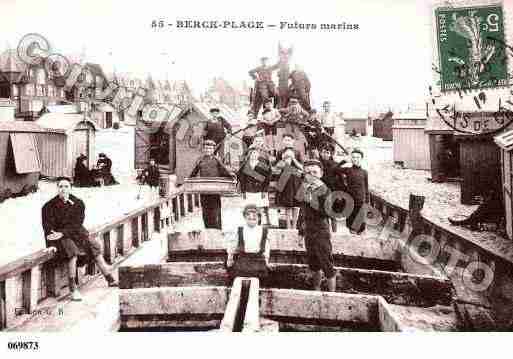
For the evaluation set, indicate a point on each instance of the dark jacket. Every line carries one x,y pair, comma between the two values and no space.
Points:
215,131
313,217
357,182
257,179
82,176
64,217
152,175
210,166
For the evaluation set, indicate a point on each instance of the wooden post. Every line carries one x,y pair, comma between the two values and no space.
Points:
415,207
3,311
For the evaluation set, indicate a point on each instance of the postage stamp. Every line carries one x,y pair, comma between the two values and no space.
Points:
470,45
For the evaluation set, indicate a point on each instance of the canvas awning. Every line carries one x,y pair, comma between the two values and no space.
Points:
26,157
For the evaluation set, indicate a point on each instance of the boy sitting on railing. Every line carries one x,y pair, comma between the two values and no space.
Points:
63,218
250,256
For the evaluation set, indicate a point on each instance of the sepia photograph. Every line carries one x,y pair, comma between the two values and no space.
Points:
261,167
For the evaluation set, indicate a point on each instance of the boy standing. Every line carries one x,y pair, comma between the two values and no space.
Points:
209,165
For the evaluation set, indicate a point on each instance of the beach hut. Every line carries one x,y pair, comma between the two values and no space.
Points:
479,159
7,110
443,150
20,164
176,143
382,126
505,143
411,143
358,122
67,136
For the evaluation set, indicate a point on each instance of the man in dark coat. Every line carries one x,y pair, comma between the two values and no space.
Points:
209,165
152,174
63,218
357,181
104,164
313,225
82,176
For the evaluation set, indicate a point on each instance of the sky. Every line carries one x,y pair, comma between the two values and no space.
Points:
386,62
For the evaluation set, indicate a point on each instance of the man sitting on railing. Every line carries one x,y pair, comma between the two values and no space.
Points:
63,218
209,165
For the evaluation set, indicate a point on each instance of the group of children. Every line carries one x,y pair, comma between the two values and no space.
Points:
340,190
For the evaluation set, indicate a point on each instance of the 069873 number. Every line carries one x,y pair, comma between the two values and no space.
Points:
23,346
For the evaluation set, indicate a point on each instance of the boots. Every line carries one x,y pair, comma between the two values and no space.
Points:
75,294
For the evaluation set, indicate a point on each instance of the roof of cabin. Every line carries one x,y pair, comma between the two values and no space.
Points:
63,122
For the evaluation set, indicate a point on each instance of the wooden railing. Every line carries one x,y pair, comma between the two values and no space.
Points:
26,282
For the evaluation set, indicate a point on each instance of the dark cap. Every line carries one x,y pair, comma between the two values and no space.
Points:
264,58
102,155
209,143
63,178
357,150
288,135
249,208
268,100
214,109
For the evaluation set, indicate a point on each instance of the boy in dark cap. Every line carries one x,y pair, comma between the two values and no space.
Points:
208,165
313,224
62,218
357,181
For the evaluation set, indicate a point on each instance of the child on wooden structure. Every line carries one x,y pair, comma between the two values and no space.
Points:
270,116
250,131
254,177
249,257
289,184
209,165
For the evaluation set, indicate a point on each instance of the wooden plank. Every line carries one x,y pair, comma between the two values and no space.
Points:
396,288
165,307
313,307
252,315
228,324
25,263
174,275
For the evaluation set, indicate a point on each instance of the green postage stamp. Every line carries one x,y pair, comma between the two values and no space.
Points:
472,49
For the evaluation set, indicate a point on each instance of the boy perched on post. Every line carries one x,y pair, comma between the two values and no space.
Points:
250,256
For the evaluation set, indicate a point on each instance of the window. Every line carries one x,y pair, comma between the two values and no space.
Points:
26,157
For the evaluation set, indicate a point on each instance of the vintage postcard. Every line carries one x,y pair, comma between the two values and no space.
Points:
256,167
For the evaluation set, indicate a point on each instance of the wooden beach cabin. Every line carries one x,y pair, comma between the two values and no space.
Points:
505,143
20,164
411,143
472,159
176,143
359,122
382,126
67,136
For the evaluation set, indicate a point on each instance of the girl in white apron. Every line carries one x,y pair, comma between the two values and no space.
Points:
250,256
